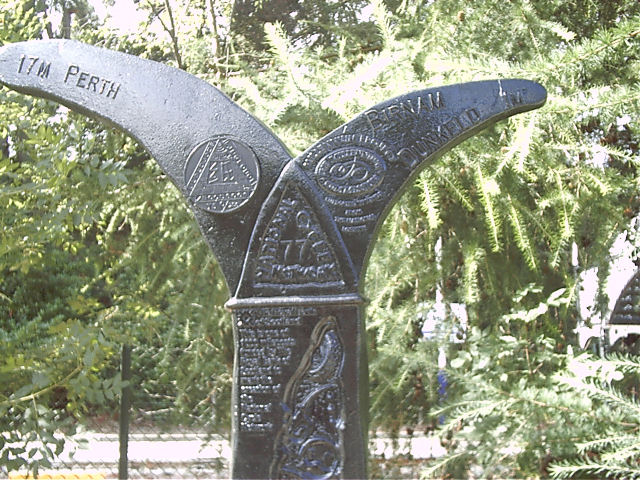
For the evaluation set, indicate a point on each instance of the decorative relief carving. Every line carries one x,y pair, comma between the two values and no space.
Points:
368,155
627,308
350,171
310,443
294,249
221,175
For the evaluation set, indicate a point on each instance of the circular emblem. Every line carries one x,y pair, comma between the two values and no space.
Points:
221,175
350,171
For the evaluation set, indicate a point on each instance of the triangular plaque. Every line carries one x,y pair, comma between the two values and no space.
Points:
294,249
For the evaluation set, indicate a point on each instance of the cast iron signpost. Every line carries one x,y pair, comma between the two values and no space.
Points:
292,235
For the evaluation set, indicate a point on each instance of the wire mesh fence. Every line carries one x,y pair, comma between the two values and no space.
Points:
155,438
147,436
160,451
153,452
157,453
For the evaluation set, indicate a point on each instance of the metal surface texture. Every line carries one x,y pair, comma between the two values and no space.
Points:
626,310
292,235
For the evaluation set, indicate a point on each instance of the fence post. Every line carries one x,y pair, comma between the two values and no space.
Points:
125,403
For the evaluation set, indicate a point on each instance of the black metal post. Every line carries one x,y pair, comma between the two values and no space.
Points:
125,404
292,235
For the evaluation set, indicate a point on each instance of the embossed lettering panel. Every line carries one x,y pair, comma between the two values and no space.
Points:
362,166
267,340
296,247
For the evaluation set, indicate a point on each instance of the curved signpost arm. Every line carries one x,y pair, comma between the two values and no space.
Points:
292,235
301,277
184,123
361,168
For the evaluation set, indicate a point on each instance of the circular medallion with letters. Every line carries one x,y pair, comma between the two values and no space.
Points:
350,171
348,166
221,175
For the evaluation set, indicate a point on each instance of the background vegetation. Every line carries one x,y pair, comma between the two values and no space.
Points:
97,249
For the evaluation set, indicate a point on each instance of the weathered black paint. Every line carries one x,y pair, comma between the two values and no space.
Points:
627,308
292,235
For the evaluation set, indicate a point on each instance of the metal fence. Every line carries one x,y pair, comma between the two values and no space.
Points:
152,454
137,443
148,448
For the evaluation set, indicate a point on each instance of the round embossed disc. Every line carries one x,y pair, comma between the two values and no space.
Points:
350,171
221,175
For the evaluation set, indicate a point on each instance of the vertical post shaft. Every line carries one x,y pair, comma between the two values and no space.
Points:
125,417
300,389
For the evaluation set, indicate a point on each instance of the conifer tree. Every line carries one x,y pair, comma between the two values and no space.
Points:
489,226
506,206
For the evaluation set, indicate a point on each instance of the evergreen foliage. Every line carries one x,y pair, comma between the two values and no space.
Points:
96,248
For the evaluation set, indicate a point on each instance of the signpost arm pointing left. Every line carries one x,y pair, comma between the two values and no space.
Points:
168,110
